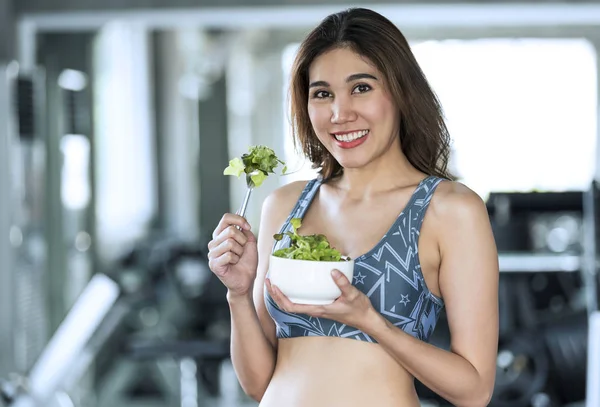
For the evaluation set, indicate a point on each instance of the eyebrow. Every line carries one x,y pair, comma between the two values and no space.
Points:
351,78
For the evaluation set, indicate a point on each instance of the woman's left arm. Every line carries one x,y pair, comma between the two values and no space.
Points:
468,279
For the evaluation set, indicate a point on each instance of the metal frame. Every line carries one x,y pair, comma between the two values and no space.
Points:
590,275
593,366
75,343
8,74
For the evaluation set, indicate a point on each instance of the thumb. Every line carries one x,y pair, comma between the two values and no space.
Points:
342,282
249,235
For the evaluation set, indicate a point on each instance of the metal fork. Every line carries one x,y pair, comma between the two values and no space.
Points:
249,188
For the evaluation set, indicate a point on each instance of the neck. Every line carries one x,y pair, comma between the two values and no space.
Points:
387,173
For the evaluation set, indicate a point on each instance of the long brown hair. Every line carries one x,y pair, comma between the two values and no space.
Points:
423,134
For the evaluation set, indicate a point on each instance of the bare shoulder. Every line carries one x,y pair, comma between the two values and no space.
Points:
282,200
455,202
278,205
456,212
287,194
460,218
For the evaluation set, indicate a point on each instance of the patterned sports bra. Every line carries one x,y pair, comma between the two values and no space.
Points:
389,274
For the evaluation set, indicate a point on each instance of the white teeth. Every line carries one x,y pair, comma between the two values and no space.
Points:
351,136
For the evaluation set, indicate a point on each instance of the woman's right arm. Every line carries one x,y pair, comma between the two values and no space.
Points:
253,340
242,264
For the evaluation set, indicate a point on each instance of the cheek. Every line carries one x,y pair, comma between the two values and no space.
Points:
379,111
319,118
318,113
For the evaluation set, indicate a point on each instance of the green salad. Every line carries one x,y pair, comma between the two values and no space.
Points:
311,247
258,163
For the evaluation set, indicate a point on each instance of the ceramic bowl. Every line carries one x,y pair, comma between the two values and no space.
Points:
308,282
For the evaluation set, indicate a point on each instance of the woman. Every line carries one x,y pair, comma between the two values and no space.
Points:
366,117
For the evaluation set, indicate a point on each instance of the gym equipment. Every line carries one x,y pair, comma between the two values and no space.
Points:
521,372
566,342
593,366
103,325
72,348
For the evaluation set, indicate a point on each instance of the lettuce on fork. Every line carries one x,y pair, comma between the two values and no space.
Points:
311,247
258,163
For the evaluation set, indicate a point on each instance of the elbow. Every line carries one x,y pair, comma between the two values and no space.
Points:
255,391
484,398
255,394
481,397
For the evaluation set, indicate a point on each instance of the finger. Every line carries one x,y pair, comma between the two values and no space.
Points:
249,235
230,219
271,291
280,299
230,232
220,263
229,245
288,306
342,282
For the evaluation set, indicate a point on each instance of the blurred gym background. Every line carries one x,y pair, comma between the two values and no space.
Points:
117,119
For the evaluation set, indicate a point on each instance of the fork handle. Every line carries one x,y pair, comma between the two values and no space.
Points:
242,210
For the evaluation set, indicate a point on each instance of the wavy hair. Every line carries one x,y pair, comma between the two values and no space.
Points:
424,138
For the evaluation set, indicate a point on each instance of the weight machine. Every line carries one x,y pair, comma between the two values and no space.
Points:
102,325
549,353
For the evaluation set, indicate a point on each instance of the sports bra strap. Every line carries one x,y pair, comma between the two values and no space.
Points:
305,199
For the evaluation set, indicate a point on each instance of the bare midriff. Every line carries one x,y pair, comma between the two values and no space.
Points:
332,372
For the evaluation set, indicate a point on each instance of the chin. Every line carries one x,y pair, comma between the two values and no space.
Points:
352,164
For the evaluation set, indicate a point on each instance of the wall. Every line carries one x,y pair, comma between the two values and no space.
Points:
7,30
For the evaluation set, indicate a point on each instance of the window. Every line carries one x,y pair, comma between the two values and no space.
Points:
298,166
521,112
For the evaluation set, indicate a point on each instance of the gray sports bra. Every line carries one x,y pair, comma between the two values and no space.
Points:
389,274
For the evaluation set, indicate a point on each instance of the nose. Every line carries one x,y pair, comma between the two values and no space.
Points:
342,111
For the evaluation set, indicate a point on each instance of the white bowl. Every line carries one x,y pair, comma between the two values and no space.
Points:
306,281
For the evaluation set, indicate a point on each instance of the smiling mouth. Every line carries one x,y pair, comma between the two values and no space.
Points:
347,137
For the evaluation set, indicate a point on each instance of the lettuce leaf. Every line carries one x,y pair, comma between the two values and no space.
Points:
258,163
236,167
311,247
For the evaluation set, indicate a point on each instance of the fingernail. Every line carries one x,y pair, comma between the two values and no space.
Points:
336,273
247,226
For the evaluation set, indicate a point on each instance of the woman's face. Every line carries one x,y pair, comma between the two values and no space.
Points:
351,111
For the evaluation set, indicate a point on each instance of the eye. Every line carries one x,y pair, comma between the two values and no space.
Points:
321,94
361,88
